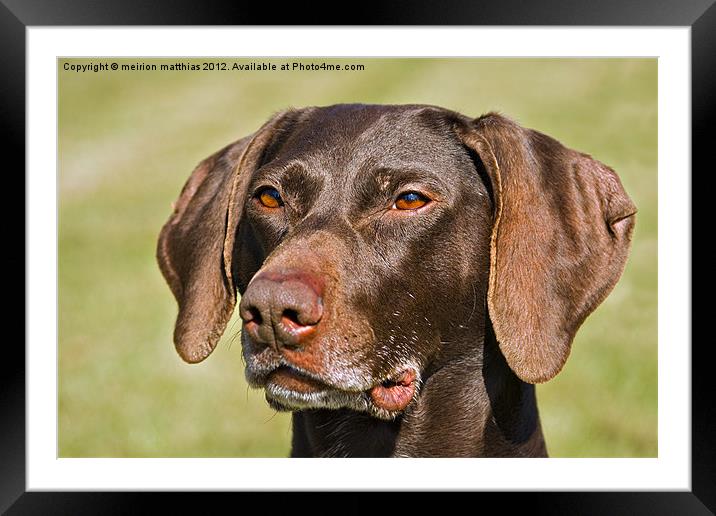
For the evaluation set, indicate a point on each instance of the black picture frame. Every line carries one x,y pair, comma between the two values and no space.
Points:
17,15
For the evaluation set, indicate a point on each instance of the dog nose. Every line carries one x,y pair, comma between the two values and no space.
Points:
282,308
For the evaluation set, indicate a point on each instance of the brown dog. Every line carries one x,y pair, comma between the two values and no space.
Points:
406,273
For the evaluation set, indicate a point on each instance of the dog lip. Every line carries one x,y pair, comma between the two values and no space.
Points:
295,381
395,394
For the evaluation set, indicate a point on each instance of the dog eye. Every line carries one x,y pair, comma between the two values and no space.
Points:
270,197
410,201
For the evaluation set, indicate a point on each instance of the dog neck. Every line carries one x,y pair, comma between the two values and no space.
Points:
474,407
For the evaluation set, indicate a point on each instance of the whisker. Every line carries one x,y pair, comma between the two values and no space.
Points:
272,416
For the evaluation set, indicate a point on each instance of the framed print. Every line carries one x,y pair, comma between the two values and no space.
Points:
124,113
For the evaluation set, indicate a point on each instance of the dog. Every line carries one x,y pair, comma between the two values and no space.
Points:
406,273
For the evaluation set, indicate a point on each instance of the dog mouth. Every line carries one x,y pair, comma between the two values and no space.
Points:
289,389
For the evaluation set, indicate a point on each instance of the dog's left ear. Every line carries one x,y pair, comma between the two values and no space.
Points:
560,240
196,246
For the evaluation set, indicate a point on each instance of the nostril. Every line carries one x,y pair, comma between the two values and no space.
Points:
254,315
291,316
298,324
290,322
302,317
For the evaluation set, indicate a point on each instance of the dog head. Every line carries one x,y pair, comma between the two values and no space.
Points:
369,243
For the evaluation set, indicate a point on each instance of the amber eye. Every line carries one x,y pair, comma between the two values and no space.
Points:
270,198
410,201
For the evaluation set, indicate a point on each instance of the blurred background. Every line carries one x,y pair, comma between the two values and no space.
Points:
128,141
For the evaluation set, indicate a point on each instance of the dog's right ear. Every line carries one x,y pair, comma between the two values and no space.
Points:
196,244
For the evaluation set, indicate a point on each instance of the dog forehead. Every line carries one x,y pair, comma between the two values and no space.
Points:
352,137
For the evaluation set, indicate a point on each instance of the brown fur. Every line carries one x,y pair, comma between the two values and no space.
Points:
480,293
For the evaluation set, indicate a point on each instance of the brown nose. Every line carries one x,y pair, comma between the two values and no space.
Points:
282,309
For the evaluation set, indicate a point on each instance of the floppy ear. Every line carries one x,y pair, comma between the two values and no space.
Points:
196,244
561,235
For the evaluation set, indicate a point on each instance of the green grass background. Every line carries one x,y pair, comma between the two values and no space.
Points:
128,141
